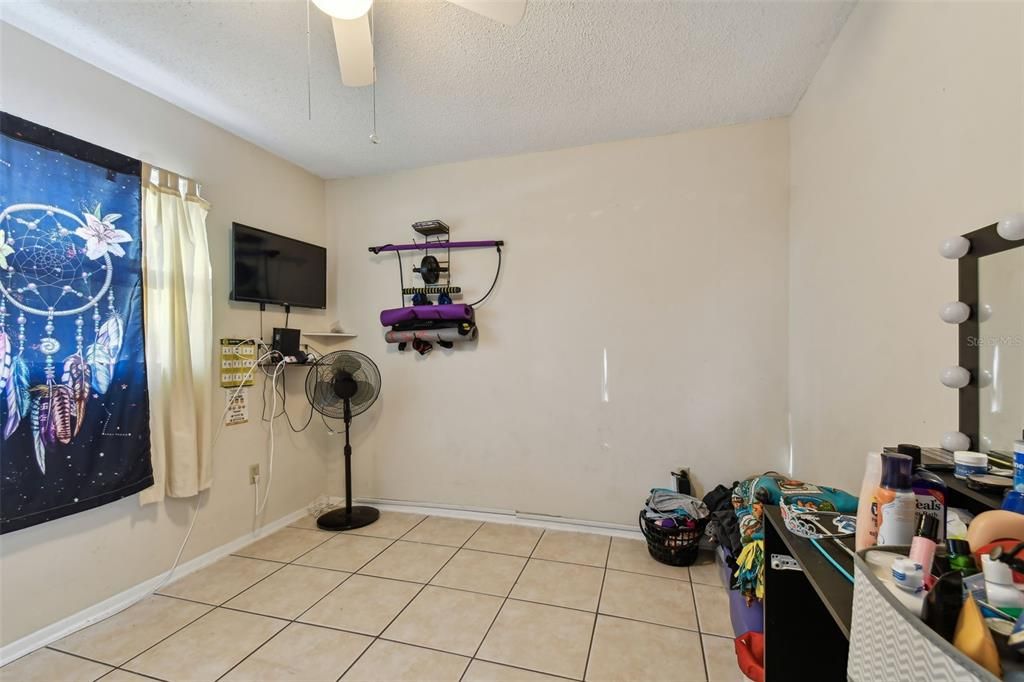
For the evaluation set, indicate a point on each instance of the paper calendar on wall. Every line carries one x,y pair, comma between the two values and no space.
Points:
237,356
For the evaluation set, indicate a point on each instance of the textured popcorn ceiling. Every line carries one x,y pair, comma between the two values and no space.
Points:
452,85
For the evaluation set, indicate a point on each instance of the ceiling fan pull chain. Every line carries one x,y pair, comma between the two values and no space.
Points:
373,92
309,70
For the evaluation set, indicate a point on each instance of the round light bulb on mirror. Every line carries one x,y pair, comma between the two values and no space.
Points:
344,9
1011,228
954,440
955,247
984,312
955,377
955,312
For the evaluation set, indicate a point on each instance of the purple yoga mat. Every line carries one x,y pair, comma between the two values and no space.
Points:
452,311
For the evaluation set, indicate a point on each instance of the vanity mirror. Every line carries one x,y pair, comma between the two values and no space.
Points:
991,283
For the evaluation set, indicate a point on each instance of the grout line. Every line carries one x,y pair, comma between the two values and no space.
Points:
246,657
651,575
156,644
418,592
700,638
352,573
330,537
214,608
190,601
132,672
519,667
600,596
422,587
445,587
254,558
245,589
119,667
382,638
377,636
504,601
648,622
80,656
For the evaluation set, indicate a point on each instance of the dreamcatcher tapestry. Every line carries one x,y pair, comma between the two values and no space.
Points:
74,410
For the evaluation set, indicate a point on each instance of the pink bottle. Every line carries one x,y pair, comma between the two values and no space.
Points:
922,549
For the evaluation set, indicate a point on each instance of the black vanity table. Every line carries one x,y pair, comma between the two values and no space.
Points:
807,609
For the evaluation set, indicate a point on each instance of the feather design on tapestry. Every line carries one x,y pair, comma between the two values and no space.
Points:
5,359
17,396
102,355
62,413
19,375
42,431
13,415
77,377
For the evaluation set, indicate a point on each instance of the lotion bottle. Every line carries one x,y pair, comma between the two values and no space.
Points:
867,526
897,504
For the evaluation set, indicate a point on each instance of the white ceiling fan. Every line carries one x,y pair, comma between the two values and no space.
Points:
352,30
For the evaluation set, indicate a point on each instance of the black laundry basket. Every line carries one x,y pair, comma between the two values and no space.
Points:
673,546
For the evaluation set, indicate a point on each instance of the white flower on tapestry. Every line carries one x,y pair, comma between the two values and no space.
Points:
5,250
100,235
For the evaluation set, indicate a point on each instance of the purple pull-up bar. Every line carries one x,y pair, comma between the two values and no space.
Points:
436,245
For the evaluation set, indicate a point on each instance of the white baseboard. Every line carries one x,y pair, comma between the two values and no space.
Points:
503,516
122,600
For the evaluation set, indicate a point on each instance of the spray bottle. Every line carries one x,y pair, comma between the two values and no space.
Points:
897,503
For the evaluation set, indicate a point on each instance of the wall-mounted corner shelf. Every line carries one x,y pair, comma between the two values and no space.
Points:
332,335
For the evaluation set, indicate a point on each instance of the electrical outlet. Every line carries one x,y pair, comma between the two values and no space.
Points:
254,472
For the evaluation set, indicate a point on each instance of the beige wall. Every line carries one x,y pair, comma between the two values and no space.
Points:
912,131
58,568
666,255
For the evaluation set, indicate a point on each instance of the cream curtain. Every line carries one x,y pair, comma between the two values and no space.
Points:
179,333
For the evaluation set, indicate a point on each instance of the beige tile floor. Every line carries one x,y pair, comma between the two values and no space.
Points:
414,598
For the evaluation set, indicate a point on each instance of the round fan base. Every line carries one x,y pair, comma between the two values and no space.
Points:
340,519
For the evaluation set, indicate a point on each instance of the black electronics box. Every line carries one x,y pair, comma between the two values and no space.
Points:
286,342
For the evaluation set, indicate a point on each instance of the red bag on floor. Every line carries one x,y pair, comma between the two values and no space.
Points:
750,655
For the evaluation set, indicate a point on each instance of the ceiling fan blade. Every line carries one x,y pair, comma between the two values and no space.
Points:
355,50
508,12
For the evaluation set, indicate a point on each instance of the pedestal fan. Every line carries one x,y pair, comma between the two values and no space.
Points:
342,385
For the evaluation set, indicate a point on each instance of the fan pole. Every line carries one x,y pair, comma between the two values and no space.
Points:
350,517
348,460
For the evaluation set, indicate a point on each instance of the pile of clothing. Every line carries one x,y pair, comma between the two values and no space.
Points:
669,509
748,500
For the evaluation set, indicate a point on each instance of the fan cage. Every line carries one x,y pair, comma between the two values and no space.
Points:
320,383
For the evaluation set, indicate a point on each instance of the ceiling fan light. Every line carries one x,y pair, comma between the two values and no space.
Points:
344,9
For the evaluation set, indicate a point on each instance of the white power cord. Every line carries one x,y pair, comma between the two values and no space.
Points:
270,460
220,428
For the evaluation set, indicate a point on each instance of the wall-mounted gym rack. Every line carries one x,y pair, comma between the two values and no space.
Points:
425,322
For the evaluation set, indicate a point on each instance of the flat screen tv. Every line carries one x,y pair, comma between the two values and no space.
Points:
269,268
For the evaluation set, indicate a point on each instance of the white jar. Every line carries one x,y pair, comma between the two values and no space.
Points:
967,463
